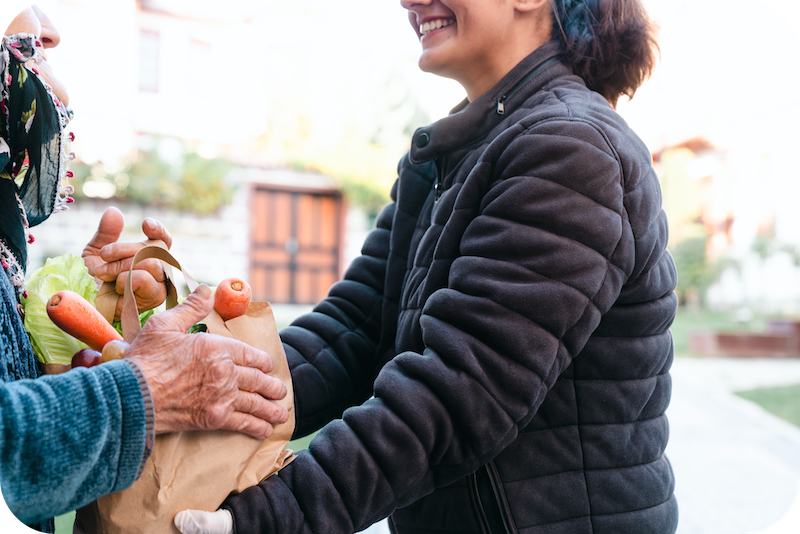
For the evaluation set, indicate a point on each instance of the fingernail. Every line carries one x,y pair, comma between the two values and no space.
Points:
151,224
203,291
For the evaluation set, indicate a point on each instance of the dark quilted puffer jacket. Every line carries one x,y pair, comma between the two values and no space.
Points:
497,360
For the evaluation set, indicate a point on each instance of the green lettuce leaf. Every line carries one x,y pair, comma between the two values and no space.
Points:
143,317
50,343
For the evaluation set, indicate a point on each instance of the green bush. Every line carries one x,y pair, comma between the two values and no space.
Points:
196,185
697,272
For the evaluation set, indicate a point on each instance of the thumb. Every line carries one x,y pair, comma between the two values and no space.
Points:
154,230
109,229
199,522
195,308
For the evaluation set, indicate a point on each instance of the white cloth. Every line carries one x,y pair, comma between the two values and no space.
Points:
200,522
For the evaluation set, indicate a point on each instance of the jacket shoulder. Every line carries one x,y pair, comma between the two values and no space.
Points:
569,124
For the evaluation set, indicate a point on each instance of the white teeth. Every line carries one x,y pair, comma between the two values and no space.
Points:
429,26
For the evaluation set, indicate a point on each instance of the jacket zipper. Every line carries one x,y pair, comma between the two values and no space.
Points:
490,507
501,102
437,184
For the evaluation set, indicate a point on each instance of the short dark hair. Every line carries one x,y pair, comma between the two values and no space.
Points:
611,44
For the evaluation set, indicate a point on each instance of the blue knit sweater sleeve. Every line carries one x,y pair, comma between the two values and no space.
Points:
68,439
65,440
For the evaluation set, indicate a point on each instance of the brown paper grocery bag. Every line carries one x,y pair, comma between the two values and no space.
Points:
196,470
53,368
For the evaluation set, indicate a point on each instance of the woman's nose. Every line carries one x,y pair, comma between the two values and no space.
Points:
50,37
409,4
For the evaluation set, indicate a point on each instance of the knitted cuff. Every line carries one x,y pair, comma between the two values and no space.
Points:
149,415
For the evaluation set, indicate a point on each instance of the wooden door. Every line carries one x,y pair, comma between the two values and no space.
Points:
296,238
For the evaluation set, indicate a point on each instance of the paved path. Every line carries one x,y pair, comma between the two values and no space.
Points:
737,467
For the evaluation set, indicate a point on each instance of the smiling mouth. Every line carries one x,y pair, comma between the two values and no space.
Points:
432,25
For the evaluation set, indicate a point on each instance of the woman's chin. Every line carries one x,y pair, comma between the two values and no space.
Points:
428,62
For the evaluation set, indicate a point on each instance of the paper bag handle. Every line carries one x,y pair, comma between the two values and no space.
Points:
130,311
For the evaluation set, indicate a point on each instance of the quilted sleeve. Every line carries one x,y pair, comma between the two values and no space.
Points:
537,252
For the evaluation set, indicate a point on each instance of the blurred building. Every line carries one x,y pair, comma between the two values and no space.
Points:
167,68
174,75
733,202
737,92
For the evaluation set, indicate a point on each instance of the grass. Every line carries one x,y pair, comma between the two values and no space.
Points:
64,523
783,401
301,444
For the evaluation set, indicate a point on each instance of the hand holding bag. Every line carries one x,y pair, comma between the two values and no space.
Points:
195,470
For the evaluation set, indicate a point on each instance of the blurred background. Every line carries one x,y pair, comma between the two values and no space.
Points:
202,112
266,135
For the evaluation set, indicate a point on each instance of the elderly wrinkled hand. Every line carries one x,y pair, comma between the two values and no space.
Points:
205,381
109,260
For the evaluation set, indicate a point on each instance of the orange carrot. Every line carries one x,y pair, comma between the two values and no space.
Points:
77,317
231,298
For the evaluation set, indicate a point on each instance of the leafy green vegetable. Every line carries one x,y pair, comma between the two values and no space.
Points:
199,328
143,317
50,343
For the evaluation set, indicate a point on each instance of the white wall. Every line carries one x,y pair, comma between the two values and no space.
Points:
211,248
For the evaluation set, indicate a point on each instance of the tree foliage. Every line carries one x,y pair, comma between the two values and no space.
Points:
697,271
196,185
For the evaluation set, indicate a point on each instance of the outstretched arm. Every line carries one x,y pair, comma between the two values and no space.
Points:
68,439
538,262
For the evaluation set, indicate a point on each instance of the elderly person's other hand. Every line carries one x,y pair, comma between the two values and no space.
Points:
204,381
109,260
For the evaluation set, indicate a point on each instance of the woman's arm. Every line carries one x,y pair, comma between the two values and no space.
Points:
68,439
538,266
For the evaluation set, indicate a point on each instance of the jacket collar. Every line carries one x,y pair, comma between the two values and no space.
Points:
470,121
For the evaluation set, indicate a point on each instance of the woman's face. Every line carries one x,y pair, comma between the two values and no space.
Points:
475,42
34,21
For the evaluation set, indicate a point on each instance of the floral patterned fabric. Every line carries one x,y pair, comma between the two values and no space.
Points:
33,155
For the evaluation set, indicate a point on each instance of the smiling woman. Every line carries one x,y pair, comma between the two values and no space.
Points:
475,43
497,360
